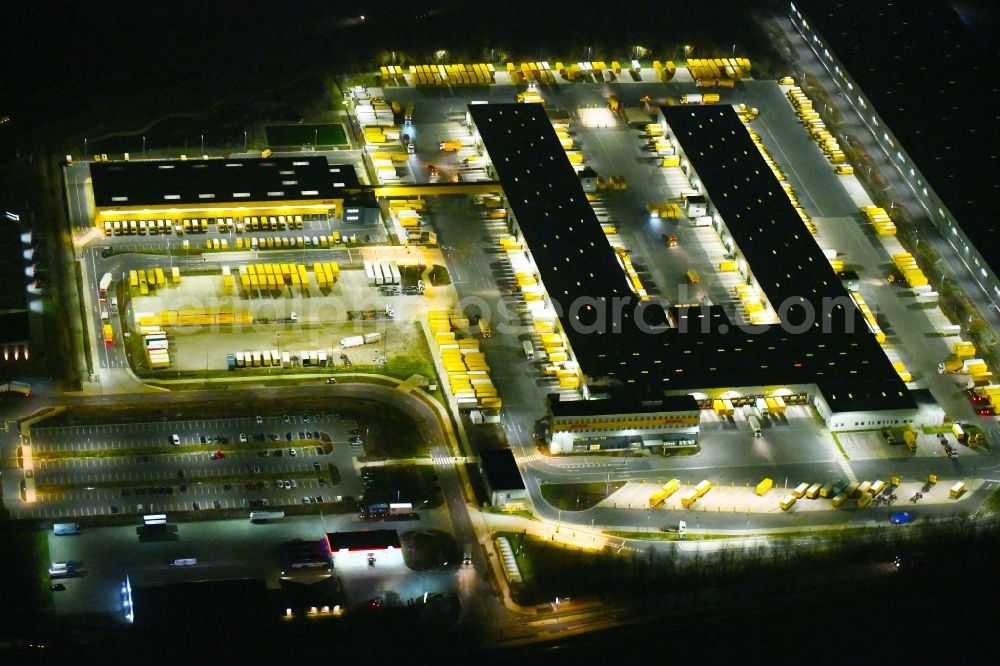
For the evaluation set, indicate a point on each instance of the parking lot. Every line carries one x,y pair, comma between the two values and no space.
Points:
283,461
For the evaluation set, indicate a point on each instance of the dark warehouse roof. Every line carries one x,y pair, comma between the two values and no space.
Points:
14,325
930,74
500,469
212,181
674,403
575,261
363,540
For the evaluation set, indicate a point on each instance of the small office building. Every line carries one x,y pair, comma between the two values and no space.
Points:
355,549
504,485
616,424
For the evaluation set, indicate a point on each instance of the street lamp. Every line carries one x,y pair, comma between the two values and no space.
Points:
202,144
143,146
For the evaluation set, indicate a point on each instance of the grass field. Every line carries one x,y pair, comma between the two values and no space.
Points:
306,135
578,496
25,558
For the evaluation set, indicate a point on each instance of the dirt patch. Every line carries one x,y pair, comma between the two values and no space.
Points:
578,496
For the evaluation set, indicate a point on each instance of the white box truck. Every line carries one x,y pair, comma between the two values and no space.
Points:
352,341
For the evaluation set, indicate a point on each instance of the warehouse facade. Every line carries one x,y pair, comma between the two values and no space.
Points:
608,424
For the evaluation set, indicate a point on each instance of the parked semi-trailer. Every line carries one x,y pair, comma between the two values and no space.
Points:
352,341
105,283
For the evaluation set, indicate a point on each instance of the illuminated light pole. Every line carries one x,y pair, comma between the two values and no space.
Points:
202,144
144,146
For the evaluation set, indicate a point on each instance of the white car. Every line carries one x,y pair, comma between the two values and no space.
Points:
294,483
243,438
176,439
280,483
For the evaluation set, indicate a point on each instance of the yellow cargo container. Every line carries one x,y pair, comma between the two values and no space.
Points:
764,486
787,502
800,490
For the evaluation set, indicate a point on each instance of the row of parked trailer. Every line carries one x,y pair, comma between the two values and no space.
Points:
383,271
157,348
814,124
838,493
189,225
463,363
144,280
277,359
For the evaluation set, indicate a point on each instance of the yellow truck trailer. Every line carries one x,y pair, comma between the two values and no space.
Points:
689,497
787,502
764,486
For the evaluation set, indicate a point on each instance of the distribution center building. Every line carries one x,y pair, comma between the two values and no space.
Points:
211,187
813,347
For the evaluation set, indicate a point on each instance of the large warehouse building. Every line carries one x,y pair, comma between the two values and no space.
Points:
639,351
877,57
236,187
